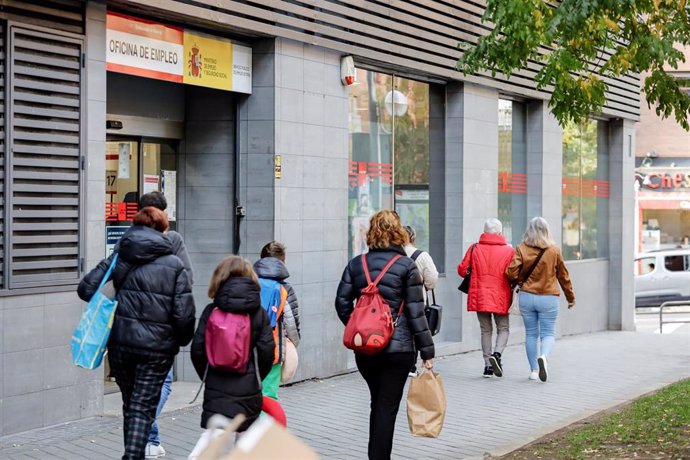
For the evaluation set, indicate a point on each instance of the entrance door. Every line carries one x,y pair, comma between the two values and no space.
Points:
135,166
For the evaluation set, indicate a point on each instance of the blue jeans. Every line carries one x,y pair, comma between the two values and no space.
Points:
539,313
154,436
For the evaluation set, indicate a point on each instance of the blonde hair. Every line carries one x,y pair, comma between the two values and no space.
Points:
385,230
230,267
538,234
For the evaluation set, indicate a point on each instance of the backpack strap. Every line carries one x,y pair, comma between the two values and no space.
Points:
383,271
416,254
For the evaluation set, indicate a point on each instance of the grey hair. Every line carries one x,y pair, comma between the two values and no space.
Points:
538,234
411,233
493,225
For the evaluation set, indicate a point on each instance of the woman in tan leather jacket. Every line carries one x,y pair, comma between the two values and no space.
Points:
539,291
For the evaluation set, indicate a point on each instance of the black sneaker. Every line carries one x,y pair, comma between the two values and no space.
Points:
495,360
488,372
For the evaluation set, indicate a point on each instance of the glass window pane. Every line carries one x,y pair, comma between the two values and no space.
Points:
409,104
512,169
585,190
371,156
674,263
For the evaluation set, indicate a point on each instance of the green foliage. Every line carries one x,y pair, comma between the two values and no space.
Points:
659,422
580,42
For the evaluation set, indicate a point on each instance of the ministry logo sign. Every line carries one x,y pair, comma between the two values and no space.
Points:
194,62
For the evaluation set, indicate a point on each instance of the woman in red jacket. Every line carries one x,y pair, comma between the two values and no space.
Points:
490,294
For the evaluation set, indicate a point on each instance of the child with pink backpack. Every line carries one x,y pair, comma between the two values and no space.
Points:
233,347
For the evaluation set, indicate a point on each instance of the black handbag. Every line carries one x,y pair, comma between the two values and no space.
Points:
465,285
433,313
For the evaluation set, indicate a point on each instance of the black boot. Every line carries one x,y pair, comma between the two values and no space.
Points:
495,360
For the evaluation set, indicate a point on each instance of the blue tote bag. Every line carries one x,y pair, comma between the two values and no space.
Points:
91,334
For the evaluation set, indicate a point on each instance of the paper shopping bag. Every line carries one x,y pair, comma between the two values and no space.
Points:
426,404
264,440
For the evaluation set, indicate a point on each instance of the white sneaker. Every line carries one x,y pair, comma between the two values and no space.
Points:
543,372
154,451
534,375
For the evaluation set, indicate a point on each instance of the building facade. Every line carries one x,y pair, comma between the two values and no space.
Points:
239,114
662,176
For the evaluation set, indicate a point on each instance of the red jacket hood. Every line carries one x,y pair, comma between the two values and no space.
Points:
492,238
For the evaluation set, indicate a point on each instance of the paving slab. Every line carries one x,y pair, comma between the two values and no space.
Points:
587,374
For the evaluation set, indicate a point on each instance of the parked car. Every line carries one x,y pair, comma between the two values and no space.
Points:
661,276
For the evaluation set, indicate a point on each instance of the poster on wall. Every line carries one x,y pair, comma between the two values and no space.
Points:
123,160
169,189
147,49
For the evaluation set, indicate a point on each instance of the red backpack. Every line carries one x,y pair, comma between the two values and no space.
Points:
371,325
228,340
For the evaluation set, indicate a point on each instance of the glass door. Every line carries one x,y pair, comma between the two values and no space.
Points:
135,166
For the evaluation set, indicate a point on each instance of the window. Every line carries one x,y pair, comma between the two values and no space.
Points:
677,263
585,190
645,266
389,154
512,170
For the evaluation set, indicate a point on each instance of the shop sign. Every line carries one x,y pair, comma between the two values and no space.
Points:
147,49
664,181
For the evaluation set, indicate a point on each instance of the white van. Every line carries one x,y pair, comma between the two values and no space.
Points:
661,276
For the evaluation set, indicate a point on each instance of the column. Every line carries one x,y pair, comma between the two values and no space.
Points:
621,225
544,166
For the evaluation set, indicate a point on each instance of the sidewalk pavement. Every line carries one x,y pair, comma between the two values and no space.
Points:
587,374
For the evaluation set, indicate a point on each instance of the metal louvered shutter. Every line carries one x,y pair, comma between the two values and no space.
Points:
44,158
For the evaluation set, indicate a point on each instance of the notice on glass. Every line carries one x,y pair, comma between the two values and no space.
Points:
150,183
112,236
169,189
123,161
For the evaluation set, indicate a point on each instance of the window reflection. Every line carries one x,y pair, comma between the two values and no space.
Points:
389,154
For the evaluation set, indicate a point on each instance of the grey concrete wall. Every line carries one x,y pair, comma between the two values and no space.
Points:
311,134
205,191
257,149
591,285
479,169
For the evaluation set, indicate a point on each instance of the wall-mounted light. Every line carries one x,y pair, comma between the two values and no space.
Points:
395,103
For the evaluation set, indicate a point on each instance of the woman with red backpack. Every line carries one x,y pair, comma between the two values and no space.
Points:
385,360
233,347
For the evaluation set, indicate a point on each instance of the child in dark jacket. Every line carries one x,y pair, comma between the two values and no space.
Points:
234,288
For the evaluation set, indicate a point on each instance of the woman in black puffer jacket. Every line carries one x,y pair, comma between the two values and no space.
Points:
386,372
234,288
154,318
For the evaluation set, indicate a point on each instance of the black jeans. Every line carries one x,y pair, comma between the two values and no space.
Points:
385,374
140,379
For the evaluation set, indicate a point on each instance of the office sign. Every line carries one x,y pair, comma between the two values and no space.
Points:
147,49
143,48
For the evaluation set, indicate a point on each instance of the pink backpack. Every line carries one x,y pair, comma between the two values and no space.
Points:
228,340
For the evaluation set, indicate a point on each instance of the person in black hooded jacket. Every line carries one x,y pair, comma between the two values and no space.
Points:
234,288
386,372
154,318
